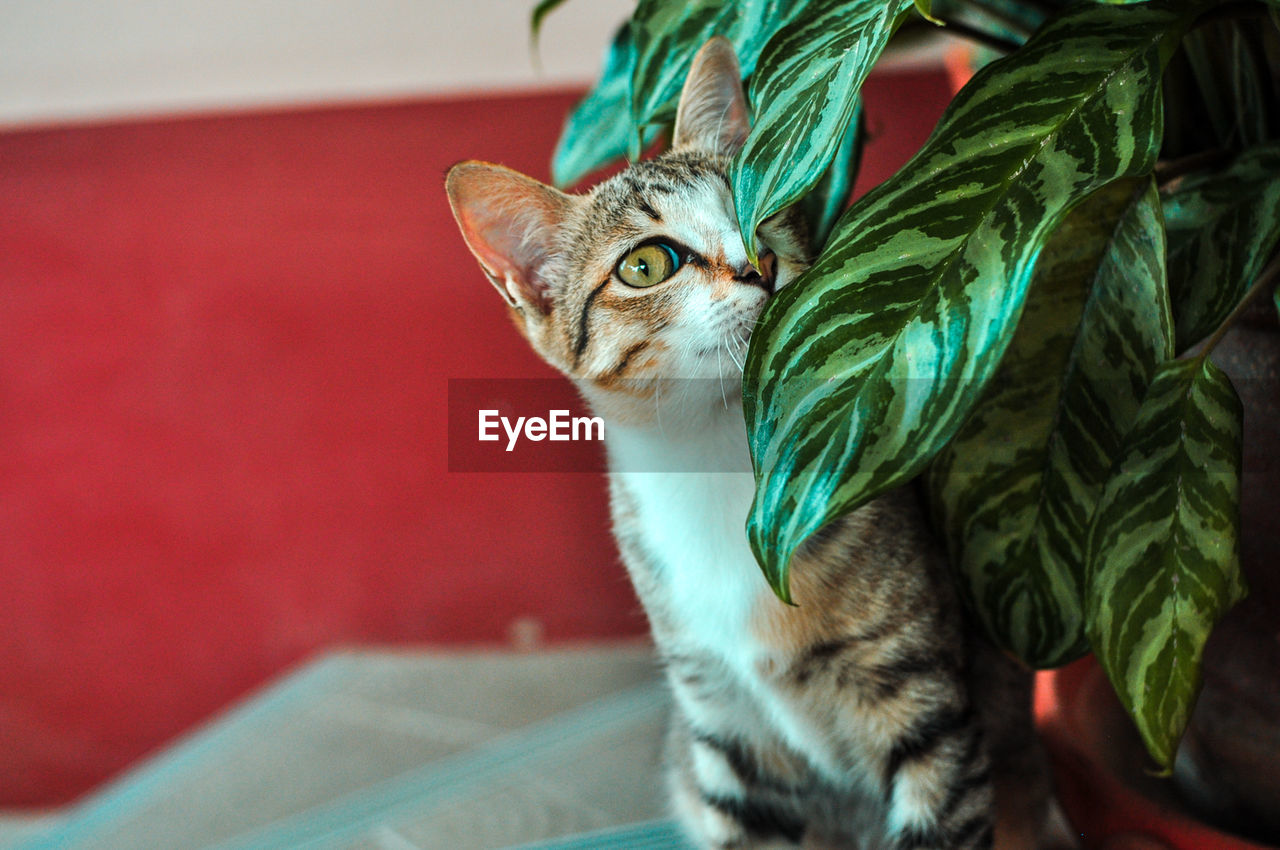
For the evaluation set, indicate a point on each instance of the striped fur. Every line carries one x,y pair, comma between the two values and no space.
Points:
867,715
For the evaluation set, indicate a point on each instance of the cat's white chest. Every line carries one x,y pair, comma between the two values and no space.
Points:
693,525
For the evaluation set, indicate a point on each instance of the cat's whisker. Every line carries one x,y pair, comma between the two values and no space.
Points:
720,375
733,355
657,406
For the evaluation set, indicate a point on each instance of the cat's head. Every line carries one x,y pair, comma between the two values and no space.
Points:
645,278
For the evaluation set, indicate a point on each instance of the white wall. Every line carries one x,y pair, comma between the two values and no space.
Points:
78,59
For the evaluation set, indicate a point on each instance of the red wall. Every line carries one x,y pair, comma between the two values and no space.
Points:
224,348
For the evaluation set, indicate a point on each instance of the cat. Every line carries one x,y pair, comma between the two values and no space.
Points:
869,715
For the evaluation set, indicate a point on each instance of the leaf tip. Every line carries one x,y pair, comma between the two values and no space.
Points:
635,142
925,8
775,568
753,252
781,589
750,238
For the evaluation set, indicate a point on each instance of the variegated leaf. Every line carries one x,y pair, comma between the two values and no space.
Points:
1163,562
805,92
598,130
669,32
824,204
1222,228
1223,88
1016,488
1251,93
865,367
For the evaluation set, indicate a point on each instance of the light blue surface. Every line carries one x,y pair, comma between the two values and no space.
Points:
545,744
555,741
653,835
125,797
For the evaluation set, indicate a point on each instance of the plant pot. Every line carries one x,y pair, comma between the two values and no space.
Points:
1099,768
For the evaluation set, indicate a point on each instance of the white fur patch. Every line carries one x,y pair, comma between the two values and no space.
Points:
714,774
914,799
695,525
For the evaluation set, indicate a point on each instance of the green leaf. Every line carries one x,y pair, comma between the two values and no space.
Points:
669,32
1163,562
599,128
925,10
544,8
826,201
1222,228
1247,87
1211,72
805,92
1016,488
1014,20
1222,88
867,364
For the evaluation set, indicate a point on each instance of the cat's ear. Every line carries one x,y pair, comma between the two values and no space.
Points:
509,221
713,114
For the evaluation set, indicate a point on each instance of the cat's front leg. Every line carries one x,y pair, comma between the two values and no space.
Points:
733,783
723,800
937,784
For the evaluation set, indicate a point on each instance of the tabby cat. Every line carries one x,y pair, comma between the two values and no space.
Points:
868,715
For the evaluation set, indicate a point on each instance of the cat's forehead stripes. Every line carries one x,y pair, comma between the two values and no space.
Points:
666,196
646,186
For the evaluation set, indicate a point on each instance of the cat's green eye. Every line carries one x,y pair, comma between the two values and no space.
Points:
648,265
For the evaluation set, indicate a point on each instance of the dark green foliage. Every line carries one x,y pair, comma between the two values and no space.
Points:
1005,311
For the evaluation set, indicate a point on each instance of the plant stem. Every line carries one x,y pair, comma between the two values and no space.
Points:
982,37
1269,276
1171,169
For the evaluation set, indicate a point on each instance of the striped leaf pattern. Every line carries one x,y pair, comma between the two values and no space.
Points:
1222,228
1015,490
1236,95
1223,88
823,205
598,130
805,92
650,57
669,32
1162,552
866,366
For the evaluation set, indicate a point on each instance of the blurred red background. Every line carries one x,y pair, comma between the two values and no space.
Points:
224,351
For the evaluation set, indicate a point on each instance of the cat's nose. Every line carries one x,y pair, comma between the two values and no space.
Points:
762,274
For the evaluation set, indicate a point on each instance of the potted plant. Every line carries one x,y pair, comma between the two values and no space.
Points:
1029,316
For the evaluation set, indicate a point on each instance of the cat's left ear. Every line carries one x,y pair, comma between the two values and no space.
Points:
509,222
713,114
